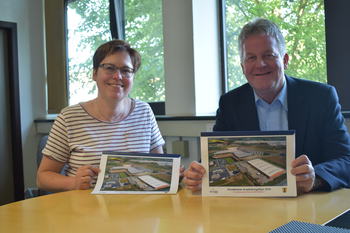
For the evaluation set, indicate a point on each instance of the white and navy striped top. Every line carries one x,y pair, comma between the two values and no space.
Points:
76,138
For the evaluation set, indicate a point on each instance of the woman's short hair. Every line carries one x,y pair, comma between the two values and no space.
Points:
112,47
261,26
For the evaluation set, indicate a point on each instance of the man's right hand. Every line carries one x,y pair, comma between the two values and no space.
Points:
193,176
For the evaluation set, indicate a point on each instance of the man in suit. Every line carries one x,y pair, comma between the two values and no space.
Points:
273,101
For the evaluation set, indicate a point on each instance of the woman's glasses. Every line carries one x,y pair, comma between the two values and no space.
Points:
111,69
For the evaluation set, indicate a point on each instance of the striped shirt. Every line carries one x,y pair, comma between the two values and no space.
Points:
76,138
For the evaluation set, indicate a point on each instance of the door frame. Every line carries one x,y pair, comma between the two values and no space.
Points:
10,30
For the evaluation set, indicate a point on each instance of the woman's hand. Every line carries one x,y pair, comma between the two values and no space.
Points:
84,176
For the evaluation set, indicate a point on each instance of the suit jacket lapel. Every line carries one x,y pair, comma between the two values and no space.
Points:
297,112
248,116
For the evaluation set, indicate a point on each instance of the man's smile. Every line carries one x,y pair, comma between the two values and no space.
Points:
262,74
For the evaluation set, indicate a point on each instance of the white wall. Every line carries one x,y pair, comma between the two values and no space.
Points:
28,14
206,56
191,57
178,58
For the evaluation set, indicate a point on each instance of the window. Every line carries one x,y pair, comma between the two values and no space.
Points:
144,31
302,24
88,26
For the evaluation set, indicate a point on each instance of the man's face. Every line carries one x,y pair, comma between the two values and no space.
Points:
263,65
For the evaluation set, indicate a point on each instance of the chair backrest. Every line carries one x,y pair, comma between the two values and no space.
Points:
39,154
41,145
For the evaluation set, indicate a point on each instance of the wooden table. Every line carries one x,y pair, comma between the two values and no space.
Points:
80,211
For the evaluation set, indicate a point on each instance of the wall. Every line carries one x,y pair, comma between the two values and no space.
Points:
191,57
28,14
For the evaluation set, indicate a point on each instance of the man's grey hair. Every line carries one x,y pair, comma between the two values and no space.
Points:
261,26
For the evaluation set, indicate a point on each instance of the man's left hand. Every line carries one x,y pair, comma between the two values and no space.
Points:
304,172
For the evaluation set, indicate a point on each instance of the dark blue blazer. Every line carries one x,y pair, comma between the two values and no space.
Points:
313,112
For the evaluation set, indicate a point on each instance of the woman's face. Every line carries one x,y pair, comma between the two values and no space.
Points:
114,76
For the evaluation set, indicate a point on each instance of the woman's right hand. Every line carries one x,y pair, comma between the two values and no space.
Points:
84,176
193,176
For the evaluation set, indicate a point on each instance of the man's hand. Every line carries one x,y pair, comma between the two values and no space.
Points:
193,176
304,172
84,176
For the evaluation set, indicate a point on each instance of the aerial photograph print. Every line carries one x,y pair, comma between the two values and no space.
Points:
247,161
137,174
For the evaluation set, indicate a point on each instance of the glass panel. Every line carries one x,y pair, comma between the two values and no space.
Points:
144,31
88,27
302,24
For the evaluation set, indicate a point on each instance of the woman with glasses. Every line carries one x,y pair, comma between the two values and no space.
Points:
110,122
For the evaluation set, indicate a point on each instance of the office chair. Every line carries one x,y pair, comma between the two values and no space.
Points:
39,156
41,145
35,192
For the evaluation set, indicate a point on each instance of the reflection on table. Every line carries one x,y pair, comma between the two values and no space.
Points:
80,211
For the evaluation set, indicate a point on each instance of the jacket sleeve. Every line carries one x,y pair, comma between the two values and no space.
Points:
335,145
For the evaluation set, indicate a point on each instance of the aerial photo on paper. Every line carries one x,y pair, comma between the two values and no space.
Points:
137,174
247,161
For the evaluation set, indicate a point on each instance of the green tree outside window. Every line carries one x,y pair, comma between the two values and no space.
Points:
88,28
302,24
